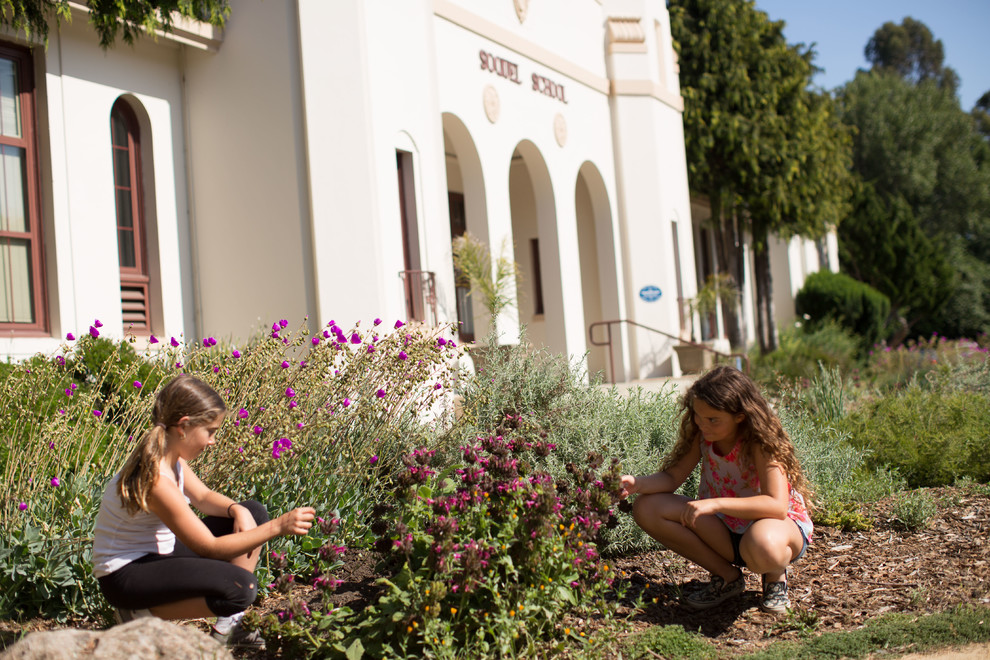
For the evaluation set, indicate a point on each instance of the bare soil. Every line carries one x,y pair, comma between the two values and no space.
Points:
845,578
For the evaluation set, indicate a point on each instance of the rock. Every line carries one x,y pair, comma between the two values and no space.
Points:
142,638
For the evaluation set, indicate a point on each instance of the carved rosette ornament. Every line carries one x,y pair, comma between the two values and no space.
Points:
492,105
522,6
560,129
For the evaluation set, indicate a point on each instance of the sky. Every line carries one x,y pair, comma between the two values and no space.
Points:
840,29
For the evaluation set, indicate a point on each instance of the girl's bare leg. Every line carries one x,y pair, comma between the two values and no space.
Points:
769,546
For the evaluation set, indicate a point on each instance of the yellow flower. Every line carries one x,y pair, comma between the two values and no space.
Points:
606,567
567,631
427,608
453,611
581,633
415,624
408,629
512,612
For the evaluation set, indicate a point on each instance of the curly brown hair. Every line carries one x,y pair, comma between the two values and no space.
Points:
729,390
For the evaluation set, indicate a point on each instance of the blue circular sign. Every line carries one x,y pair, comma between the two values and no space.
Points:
650,293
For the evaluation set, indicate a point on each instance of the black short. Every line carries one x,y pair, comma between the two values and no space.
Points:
154,580
736,538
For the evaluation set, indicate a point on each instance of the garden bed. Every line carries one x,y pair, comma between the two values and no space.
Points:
845,579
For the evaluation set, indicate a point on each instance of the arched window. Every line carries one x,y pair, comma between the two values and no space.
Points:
132,250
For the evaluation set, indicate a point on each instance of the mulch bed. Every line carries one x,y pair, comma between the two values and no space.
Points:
844,579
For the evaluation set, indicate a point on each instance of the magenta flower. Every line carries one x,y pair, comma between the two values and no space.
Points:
378,321
326,334
137,384
441,341
55,482
97,323
347,402
403,356
275,327
68,392
283,323
437,386
242,413
373,460
174,342
216,370
285,364
257,430
22,506
51,445
97,413
293,404
302,364
60,360
240,450
300,425
73,386
371,349
315,341
93,332
355,338
235,353
380,394
61,411
178,365
399,324
289,392
152,339
69,336
452,344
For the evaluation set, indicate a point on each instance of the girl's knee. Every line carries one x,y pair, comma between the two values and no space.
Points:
765,548
257,509
239,595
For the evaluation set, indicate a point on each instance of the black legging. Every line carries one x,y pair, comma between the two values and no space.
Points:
155,580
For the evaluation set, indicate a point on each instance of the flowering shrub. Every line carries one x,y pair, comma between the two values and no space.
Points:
314,418
488,555
897,366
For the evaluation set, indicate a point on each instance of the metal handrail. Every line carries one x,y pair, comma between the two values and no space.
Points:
608,342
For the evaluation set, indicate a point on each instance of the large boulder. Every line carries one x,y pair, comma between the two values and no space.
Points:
138,639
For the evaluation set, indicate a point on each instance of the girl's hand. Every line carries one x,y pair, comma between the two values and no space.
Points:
694,510
297,522
629,485
243,520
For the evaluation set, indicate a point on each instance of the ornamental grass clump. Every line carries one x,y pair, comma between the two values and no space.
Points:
484,557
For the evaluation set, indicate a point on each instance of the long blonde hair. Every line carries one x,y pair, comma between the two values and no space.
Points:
183,396
729,390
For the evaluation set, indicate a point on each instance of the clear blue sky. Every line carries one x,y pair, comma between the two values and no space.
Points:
840,29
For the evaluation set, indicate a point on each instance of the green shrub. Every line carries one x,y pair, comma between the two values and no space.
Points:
930,437
959,364
802,349
913,510
853,304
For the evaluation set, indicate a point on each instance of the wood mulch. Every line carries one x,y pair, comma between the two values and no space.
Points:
844,579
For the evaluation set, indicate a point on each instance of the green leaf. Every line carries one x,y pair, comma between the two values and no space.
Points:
355,651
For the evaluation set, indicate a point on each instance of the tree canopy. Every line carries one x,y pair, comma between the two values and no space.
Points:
128,18
910,51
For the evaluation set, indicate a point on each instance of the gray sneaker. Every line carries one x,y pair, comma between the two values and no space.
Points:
714,593
240,638
775,598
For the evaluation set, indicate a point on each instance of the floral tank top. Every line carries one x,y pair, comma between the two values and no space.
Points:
724,476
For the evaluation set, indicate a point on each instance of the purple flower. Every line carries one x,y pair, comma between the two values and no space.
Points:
347,402
403,356
380,394
371,349
285,364
300,425
326,334
61,411
283,323
55,482
60,360
97,323
399,324
302,364
378,321
289,392
293,404
68,391
216,370
355,338
452,344
51,445
174,343
257,430
22,506
315,341
373,460
73,386
441,341
240,450
235,353
152,339
206,342
97,413
70,336
242,413
137,384
93,332
437,386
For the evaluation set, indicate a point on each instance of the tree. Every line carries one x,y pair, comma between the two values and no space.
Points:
910,51
981,115
129,18
760,146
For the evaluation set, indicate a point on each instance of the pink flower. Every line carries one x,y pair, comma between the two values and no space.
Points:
293,404
283,323
137,384
347,402
402,355
93,332
257,430
97,323
437,386
69,336
285,364
22,506
380,394
174,343
373,460
235,353
242,413
152,339
441,341
289,392
55,482
399,324
315,341
378,321
97,413
371,349
355,338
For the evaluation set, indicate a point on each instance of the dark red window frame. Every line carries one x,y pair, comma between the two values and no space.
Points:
33,236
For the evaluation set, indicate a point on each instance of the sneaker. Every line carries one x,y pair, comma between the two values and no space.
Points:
775,598
238,637
123,615
715,592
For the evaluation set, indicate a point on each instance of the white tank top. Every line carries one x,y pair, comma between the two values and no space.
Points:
119,537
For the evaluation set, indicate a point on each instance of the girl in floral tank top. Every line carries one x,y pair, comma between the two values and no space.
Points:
751,509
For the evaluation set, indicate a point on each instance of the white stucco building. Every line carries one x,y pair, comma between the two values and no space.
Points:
316,159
